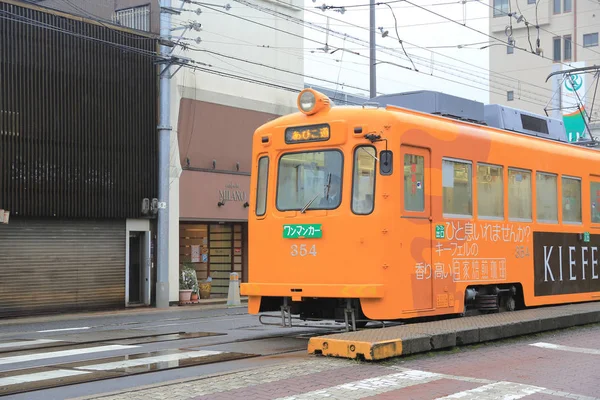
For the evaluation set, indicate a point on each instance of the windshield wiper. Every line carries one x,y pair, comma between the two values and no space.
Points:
303,210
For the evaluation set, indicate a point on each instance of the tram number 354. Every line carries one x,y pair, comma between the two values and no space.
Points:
303,250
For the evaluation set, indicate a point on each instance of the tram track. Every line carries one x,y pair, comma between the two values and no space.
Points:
185,350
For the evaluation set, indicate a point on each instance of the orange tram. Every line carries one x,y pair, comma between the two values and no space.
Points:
416,206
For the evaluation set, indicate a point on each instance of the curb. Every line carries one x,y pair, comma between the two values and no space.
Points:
212,304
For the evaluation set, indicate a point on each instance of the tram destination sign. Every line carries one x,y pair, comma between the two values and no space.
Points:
302,231
566,263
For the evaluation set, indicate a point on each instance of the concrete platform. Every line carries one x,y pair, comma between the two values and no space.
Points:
382,343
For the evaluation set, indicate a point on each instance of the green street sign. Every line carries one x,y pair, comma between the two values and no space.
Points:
305,231
586,237
440,231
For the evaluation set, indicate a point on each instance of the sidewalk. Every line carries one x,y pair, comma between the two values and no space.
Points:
204,304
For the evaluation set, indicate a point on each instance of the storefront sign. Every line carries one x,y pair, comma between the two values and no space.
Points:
195,253
4,216
232,192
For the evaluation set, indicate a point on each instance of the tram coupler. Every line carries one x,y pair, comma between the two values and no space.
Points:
285,308
349,311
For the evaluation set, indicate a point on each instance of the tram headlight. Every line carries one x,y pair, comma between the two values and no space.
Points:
311,102
307,101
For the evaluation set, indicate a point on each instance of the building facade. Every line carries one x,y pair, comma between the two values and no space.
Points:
218,109
78,156
568,38
250,74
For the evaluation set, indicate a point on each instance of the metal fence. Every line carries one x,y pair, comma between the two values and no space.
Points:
134,18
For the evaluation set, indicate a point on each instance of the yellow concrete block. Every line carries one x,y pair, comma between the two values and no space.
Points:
352,348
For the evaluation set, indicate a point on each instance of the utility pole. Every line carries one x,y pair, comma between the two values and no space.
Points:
164,152
372,59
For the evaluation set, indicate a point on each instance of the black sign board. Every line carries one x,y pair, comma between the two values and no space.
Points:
566,263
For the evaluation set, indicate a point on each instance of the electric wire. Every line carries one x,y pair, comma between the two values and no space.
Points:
394,53
496,74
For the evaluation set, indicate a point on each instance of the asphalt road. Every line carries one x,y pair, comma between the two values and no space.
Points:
106,352
550,366
227,354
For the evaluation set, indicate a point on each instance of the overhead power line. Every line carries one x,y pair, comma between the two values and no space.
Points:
496,74
527,23
388,50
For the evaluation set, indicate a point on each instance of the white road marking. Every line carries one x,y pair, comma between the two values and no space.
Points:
566,348
148,360
62,353
371,386
39,376
498,390
22,343
65,329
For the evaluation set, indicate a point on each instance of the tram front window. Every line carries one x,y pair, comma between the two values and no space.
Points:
310,181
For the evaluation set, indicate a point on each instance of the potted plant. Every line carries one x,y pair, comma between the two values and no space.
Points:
187,282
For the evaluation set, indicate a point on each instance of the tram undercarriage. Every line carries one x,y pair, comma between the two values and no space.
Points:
478,300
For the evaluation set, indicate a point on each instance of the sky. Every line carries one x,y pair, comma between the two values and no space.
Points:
424,35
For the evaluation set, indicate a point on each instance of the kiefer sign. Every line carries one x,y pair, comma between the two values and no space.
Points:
566,263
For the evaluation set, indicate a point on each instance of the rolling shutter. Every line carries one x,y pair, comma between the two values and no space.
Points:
58,266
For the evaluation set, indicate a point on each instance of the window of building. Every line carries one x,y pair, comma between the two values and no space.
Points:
457,188
519,194
590,39
414,183
261,186
363,180
568,6
490,192
546,192
510,95
311,179
500,8
556,49
134,18
568,45
571,199
556,6
214,250
595,201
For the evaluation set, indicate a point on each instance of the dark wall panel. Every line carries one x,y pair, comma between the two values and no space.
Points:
78,115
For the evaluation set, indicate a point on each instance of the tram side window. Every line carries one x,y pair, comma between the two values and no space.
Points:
414,184
490,191
519,195
571,199
261,190
546,193
363,180
457,192
595,201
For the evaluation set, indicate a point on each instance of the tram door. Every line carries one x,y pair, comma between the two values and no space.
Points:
417,211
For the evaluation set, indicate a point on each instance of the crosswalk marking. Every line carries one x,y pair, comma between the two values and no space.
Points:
62,353
39,376
22,343
148,360
498,390
64,329
371,386
566,348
